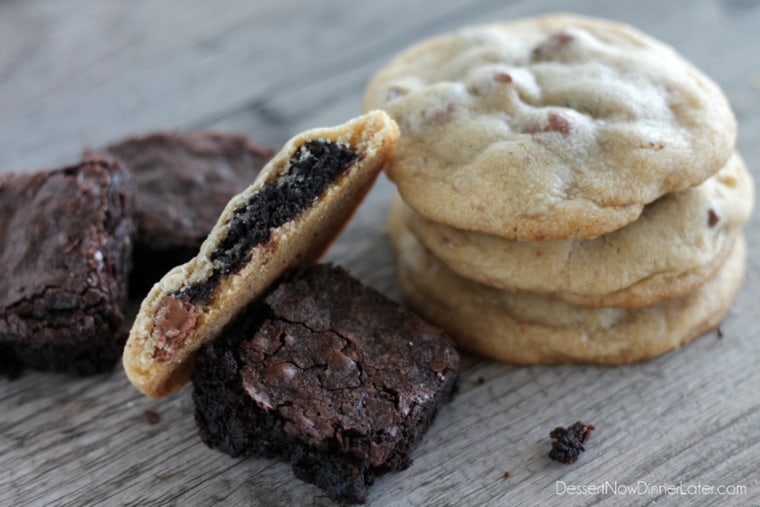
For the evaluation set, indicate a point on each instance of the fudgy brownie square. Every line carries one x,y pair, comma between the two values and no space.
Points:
65,252
329,375
184,180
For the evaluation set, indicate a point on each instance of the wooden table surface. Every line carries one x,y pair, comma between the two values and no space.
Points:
86,72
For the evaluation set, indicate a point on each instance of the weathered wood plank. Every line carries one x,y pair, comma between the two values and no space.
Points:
89,72
116,68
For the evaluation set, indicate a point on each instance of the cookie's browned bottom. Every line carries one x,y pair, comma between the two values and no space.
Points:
329,375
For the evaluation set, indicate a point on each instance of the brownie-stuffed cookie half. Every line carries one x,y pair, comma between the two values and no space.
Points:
286,218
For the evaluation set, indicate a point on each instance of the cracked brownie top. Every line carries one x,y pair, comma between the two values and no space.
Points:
65,254
336,359
328,374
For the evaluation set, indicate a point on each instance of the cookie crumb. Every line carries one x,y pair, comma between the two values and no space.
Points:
567,443
506,474
151,417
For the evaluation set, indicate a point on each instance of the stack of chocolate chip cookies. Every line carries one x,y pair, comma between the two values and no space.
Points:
570,190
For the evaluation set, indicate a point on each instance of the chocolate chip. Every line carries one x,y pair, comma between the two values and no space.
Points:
502,77
551,47
558,123
712,218
563,38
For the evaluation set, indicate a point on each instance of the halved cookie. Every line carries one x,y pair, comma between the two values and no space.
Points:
534,329
674,246
286,218
184,180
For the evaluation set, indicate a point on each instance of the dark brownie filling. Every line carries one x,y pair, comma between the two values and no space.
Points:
314,166
184,181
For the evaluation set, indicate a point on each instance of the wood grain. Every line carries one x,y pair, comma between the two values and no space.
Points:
85,72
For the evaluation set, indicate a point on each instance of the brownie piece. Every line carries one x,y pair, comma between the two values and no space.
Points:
329,375
567,443
184,181
65,254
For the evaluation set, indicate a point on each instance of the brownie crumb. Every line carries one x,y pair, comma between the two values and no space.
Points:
151,417
506,474
567,443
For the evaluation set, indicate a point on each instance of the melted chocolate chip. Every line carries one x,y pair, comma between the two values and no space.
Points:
502,77
552,47
712,218
558,123
555,122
